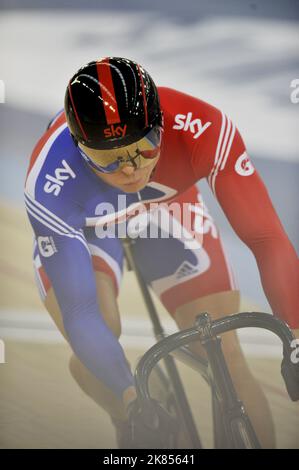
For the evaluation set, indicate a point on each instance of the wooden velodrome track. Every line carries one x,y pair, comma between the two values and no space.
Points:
40,404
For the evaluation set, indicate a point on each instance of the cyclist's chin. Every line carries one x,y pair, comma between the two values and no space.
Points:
135,186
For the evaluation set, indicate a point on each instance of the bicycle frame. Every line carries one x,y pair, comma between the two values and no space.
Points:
174,377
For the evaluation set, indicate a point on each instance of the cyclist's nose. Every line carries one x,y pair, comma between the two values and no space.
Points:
128,170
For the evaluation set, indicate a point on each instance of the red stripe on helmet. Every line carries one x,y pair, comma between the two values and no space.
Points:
76,114
107,92
144,98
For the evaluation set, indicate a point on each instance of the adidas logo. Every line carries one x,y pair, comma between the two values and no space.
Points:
186,269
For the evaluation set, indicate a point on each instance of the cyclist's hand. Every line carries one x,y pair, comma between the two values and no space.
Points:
152,427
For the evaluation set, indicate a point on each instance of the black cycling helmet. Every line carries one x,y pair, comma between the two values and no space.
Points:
111,103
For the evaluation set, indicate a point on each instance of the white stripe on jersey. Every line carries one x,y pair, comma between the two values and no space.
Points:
56,118
223,146
223,125
50,220
96,251
232,135
35,170
39,282
70,235
226,137
53,216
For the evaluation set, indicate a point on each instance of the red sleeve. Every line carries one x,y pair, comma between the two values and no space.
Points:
247,205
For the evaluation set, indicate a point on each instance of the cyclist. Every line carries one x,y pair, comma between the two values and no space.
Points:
120,136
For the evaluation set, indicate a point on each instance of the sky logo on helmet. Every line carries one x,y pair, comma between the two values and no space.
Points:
115,131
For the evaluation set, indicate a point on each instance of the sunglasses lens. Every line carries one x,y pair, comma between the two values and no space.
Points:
114,166
154,139
150,154
103,169
154,136
147,148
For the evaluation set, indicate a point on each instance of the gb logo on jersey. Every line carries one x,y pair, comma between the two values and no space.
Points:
46,246
243,165
186,123
55,183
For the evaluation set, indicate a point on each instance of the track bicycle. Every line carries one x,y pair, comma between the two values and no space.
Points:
232,428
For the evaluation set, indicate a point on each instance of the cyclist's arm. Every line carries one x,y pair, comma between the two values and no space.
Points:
67,261
248,207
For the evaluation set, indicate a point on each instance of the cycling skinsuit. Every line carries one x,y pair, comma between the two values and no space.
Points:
64,200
